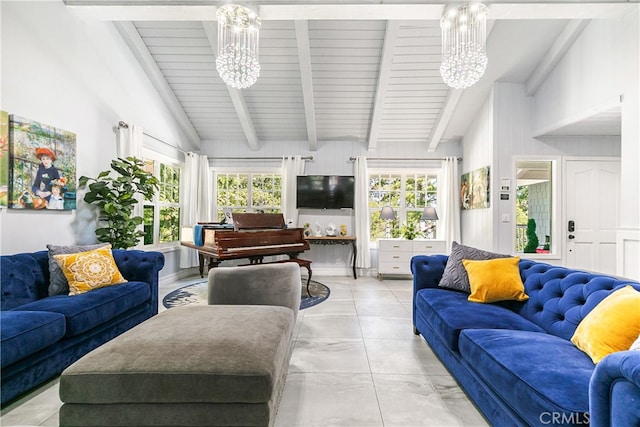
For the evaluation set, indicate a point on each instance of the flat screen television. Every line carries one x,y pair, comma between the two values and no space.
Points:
325,191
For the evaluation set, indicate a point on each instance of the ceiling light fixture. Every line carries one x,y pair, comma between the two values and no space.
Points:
464,35
238,35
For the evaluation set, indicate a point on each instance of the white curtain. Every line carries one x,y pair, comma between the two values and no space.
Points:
450,222
363,260
197,201
129,144
291,167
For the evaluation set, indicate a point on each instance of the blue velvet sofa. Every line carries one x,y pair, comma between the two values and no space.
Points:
41,335
515,360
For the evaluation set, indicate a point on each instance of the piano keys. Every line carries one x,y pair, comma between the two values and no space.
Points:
254,236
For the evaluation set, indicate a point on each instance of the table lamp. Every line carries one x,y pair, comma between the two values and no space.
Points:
387,213
430,215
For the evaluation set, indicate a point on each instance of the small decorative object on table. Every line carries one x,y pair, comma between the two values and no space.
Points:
343,230
331,229
318,229
307,229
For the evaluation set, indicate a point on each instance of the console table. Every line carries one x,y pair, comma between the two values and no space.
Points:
337,240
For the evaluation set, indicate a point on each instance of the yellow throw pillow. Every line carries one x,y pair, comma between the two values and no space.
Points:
495,280
89,270
611,326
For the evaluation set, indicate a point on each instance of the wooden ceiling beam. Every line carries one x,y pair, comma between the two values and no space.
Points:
390,36
562,44
306,77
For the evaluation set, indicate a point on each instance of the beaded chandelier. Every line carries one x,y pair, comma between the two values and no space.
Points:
464,34
238,35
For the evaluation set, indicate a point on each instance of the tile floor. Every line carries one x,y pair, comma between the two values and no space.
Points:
356,362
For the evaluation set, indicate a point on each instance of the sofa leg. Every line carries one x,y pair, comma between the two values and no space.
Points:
416,331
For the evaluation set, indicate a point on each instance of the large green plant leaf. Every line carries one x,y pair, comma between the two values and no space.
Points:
113,192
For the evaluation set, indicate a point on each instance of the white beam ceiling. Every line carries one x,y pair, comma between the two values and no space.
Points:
103,10
122,12
140,51
562,44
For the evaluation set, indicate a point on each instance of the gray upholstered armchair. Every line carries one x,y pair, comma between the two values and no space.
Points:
266,284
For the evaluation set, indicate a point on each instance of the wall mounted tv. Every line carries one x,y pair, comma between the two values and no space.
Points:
325,192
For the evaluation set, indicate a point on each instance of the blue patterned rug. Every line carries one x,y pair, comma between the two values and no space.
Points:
196,293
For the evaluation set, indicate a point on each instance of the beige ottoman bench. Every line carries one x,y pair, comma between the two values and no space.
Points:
216,365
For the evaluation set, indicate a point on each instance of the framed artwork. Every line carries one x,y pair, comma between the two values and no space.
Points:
474,189
42,166
4,159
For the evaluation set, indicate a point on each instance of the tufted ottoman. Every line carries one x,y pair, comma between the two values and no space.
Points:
220,365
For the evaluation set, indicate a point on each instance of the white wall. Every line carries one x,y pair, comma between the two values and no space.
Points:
607,56
601,66
513,137
477,225
79,76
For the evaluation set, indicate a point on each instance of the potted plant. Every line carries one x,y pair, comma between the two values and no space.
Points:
113,193
532,237
409,230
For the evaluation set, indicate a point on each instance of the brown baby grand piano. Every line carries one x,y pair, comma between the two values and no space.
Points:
254,236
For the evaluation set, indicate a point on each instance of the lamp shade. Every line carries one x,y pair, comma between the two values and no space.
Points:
387,212
429,213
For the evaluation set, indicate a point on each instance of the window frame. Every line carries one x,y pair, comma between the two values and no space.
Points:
249,171
556,247
158,158
401,212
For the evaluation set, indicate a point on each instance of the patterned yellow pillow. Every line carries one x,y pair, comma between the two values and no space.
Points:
89,270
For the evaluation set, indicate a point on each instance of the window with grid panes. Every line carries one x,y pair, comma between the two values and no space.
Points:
408,193
248,192
162,214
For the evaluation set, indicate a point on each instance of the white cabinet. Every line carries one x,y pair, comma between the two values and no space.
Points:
394,255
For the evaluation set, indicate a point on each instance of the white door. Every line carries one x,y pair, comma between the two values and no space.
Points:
592,200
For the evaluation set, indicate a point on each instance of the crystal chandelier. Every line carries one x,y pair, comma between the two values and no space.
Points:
238,34
464,33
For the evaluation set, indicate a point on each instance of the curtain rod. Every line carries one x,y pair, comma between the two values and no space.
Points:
404,158
257,158
125,125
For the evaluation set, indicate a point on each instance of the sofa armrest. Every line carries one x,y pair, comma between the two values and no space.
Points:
614,390
141,266
427,271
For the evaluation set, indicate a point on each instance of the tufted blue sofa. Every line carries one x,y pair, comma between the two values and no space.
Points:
515,359
41,335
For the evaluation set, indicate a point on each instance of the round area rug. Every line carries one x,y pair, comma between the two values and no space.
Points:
196,293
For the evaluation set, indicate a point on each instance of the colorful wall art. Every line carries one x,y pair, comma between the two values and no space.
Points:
474,189
42,166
